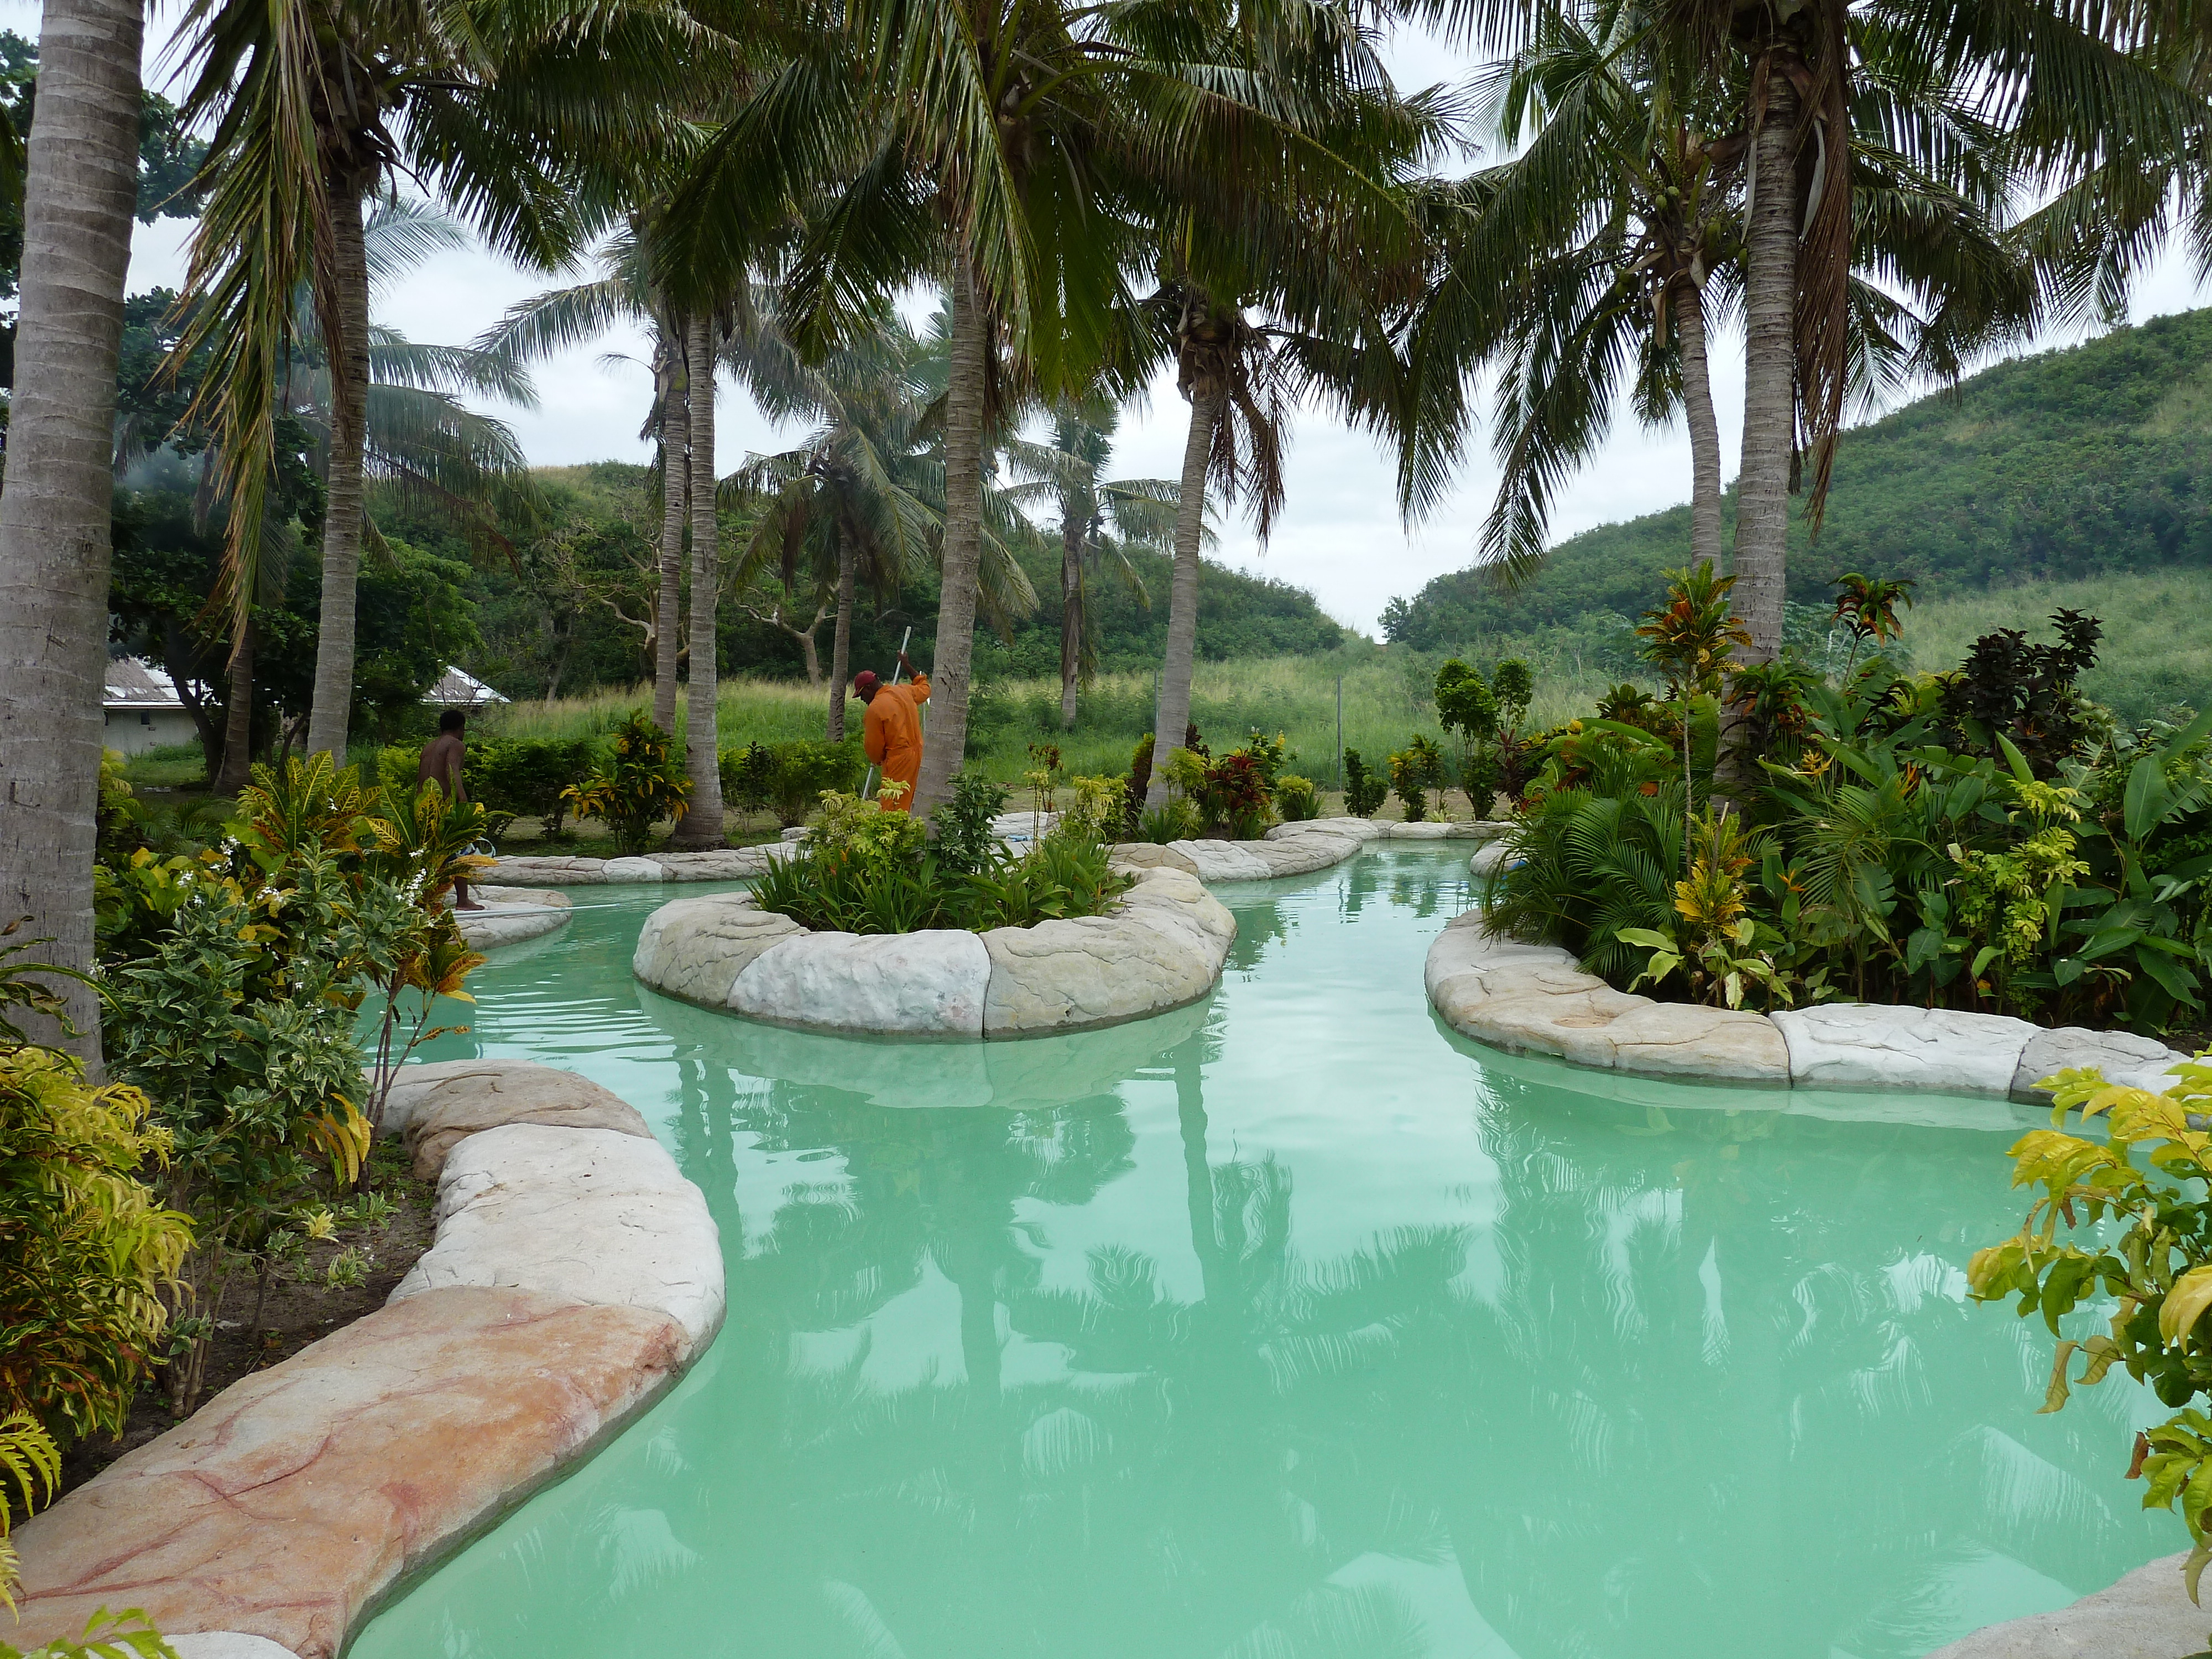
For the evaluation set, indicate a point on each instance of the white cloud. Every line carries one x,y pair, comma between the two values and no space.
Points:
1338,533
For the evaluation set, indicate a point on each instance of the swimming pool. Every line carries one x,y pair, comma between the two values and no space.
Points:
1292,1324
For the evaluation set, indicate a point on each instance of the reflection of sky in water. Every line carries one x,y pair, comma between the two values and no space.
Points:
1291,1324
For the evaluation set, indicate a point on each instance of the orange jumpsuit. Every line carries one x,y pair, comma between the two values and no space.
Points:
891,734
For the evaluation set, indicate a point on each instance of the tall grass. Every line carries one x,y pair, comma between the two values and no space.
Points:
1386,699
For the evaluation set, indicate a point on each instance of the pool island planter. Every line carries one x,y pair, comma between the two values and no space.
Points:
575,1276
1161,945
1535,999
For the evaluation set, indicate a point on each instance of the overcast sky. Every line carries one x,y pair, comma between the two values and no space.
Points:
1339,534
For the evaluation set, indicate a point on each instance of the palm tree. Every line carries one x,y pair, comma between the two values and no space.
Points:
315,104
1589,263
1101,520
562,317
1018,155
850,501
79,189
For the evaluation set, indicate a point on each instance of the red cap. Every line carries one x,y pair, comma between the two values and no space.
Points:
865,680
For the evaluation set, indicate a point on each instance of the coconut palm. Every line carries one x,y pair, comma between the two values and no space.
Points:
1018,156
849,503
1101,522
1590,263
563,318
79,189
505,112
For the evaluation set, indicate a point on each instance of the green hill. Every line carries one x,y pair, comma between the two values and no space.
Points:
2082,467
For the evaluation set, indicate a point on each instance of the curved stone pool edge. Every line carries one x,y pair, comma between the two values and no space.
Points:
1161,946
575,1277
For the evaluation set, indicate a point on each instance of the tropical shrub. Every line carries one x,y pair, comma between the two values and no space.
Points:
637,784
864,870
89,1248
2138,1237
1296,799
789,779
1414,770
525,778
1897,844
1363,792
965,841
106,1636
237,978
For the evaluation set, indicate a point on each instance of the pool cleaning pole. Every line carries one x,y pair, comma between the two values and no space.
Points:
868,785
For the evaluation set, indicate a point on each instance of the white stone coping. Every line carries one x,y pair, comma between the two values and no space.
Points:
2147,1614
724,863
575,1276
1533,998
1162,944
511,915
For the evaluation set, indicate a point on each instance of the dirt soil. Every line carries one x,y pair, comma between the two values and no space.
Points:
302,1307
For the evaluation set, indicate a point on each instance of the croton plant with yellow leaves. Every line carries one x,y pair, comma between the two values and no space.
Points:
2152,1265
238,976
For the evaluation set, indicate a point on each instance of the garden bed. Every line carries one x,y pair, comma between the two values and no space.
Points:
1161,945
334,1282
575,1274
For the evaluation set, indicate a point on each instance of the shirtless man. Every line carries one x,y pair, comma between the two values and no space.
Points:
441,765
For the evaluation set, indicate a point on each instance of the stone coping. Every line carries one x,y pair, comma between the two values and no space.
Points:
2147,1614
1015,829
724,863
1535,999
575,1274
1162,944
511,915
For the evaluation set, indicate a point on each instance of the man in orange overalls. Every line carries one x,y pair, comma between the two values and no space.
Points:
891,731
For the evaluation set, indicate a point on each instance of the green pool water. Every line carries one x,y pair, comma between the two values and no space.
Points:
1288,1325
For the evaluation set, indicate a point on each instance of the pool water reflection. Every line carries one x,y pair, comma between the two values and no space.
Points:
1292,1324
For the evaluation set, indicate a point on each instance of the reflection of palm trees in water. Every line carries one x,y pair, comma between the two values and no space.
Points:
1672,1398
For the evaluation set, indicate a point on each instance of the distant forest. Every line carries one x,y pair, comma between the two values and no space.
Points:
2091,461
549,608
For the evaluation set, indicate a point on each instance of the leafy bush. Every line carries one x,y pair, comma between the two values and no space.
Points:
237,979
866,870
1296,799
2146,1243
965,843
1363,794
89,1248
525,778
1414,770
638,784
790,779
1904,851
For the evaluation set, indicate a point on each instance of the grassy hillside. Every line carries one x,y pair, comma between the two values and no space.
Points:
2059,471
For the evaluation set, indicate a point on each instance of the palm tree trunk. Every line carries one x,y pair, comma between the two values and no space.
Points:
1770,382
1173,719
947,737
675,502
841,642
1704,430
1071,612
238,720
702,825
79,188
345,333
